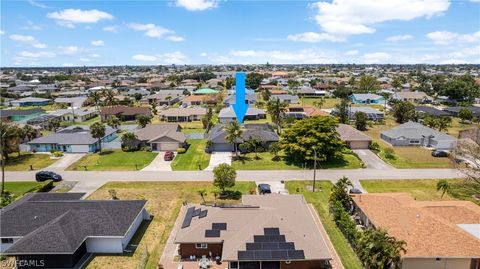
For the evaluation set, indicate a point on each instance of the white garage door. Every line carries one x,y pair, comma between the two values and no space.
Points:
167,146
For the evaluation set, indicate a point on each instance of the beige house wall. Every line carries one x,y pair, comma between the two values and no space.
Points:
431,263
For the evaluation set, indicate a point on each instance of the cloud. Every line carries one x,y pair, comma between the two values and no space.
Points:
351,53
32,26
176,57
376,58
144,58
97,43
197,5
204,54
155,31
306,56
94,55
111,29
313,37
69,50
352,17
2,32
37,4
445,37
70,17
84,60
39,54
28,39
398,38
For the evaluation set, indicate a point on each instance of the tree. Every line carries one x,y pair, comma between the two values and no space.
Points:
53,124
143,120
377,250
396,83
319,103
340,194
274,149
444,123
153,108
224,176
109,96
9,140
113,121
462,89
253,145
233,133
97,130
129,140
444,186
342,111
465,114
342,92
253,80
137,96
361,121
95,99
275,109
266,94
368,84
203,193
207,120
430,121
29,132
299,140
403,111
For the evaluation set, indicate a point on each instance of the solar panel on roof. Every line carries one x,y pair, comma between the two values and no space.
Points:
254,246
263,255
246,256
196,212
277,238
212,233
296,255
203,214
270,246
260,238
219,226
271,231
279,255
188,217
286,246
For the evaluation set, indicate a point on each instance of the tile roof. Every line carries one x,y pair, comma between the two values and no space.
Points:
430,228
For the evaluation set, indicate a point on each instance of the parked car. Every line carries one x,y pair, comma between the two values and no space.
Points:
264,189
355,191
439,153
169,155
47,175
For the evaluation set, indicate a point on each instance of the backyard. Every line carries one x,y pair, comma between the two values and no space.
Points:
425,189
328,102
319,199
164,202
194,158
267,162
23,161
114,160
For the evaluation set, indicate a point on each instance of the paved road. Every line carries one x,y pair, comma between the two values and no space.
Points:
371,159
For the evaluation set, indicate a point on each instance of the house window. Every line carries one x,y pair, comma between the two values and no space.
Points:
201,245
414,141
233,265
7,240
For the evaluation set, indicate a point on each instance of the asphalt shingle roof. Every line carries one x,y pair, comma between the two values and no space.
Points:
73,135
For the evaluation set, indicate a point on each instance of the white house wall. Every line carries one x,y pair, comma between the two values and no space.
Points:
133,229
104,245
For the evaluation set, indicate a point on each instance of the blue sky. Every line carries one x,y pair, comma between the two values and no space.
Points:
77,33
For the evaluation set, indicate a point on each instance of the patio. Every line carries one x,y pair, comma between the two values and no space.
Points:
195,265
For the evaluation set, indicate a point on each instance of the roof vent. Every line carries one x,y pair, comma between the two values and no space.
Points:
35,217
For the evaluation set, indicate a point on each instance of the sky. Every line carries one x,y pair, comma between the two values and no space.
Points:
93,33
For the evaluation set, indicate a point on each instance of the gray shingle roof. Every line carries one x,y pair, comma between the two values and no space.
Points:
20,112
59,223
228,112
73,135
415,130
262,132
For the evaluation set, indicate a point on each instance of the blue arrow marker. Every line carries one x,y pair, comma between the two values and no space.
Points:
240,107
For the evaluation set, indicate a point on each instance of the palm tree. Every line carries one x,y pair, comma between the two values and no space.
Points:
97,130
275,108
233,132
113,121
128,139
215,193
266,94
54,124
109,97
203,193
319,103
9,136
29,132
95,97
444,186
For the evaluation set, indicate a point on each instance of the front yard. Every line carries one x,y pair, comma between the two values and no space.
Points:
319,199
23,161
425,189
267,162
164,202
193,158
114,160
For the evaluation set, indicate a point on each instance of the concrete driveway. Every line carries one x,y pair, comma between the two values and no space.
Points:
159,164
64,162
217,158
371,159
275,186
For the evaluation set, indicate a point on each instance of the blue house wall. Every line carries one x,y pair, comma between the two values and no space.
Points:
378,101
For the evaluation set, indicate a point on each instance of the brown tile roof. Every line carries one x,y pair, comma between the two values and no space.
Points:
430,228
193,98
153,132
278,92
125,110
348,133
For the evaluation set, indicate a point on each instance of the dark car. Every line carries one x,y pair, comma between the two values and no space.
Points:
264,189
355,191
439,153
169,155
47,175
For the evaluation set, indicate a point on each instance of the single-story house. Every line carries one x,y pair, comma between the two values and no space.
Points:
301,112
77,115
71,101
310,92
205,91
250,99
438,234
198,100
416,134
372,113
288,98
414,97
163,99
264,133
183,114
432,111
367,98
267,231
454,110
227,114
30,101
20,115
41,120
354,138
124,113
73,139
57,230
162,137
142,92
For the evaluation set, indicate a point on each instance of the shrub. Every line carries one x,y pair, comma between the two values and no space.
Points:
374,146
389,153
230,195
46,187
181,150
58,154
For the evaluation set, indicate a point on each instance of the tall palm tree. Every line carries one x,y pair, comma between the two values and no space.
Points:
128,140
113,121
275,108
109,96
97,130
319,103
233,132
444,186
29,132
95,97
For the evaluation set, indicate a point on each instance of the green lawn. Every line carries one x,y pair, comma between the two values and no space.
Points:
116,160
193,130
164,200
425,189
266,162
319,199
328,102
23,161
87,122
194,156
18,189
